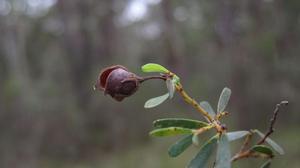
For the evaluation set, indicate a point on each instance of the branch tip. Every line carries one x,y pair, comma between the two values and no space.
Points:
272,121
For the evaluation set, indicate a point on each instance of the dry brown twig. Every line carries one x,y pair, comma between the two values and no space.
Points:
243,153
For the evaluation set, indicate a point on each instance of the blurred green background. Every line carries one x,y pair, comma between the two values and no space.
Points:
51,52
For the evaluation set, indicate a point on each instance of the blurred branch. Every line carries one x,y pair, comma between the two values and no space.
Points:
248,153
272,121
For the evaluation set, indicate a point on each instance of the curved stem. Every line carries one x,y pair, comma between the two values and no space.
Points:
241,155
194,103
187,99
272,122
248,153
143,79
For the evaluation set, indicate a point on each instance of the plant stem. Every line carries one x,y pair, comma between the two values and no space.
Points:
246,142
272,121
143,79
248,153
194,103
187,99
203,129
241,155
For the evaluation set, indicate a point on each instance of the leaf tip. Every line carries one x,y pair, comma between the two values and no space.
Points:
153,67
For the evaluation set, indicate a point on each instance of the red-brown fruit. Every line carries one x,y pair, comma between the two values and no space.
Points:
118,82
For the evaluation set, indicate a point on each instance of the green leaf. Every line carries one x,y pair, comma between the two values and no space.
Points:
207,107
223,153
179,122
170,131
151,67
176,79
180,146
236,135
195,139
262,149
171,87
201,159
223,100
267,164
273,144
156,101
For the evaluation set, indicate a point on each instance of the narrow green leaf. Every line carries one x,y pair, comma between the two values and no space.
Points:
180,146
171,87
207,107
267,164
272,143
262,149
179,122
223,153
195,140
224,99
201,159
156,101
151,67
170,131
236,135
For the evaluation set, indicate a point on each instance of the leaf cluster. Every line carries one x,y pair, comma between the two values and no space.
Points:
190,130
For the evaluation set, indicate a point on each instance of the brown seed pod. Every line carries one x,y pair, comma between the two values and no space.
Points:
118,82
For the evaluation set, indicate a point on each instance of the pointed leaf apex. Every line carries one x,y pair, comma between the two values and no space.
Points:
156,101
